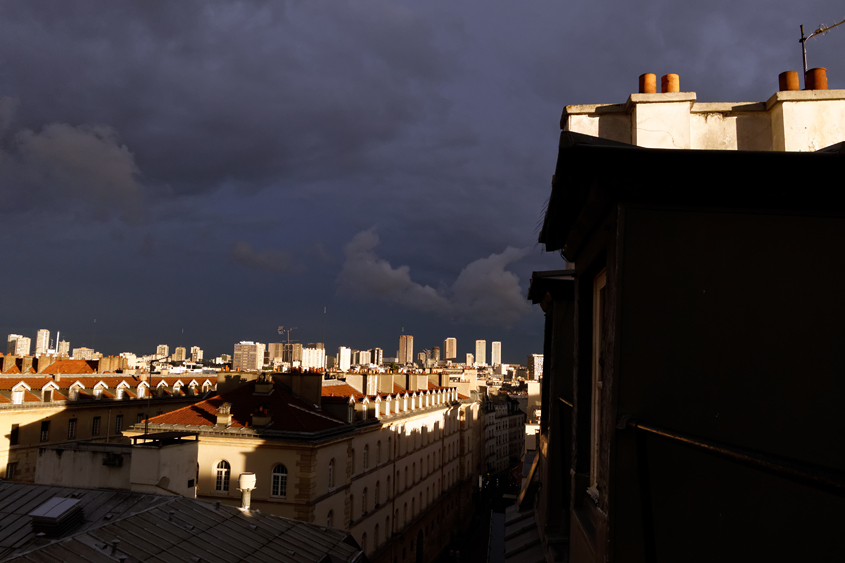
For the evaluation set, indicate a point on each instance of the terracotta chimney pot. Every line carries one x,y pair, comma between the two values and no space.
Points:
670,83
788,80
648,83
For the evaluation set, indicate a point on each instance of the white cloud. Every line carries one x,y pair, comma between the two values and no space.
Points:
484,292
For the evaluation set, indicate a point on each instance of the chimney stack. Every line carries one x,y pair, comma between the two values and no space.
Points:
670,83
246,483
648,83
788,80
224,416
816,79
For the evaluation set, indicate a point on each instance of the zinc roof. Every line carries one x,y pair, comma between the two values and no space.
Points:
162,528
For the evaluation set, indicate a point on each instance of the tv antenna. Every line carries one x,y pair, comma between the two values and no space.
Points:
283,330
820,31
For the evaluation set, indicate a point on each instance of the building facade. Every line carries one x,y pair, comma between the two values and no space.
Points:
481,352
395,468
248,356
406,349
671,410
450,349
42,341
495,353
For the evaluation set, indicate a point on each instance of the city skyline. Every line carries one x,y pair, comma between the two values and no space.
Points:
420,137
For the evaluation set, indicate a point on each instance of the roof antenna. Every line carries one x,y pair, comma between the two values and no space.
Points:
820,31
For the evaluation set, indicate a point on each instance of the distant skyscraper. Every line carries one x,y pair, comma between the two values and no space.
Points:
12,346
162,351
196,354
42,341
248,356
406,349
480,352
364,357
83,353
450,349
313,358
63,348
179,354
435,353
275,350
495,353
18,345
344,358
535,366
293,353
376,356
470,359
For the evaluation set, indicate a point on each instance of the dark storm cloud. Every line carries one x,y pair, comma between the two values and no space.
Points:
193,127
268,260
484,291
243,93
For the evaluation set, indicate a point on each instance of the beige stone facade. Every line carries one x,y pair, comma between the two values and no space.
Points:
788,121
392,468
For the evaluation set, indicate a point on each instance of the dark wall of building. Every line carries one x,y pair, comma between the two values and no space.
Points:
730,329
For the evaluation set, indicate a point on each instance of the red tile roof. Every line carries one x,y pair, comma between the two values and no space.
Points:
72,367
341,390
288,411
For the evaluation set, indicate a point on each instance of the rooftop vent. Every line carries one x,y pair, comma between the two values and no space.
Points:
56,517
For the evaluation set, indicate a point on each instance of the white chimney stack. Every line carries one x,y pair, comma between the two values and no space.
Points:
246,483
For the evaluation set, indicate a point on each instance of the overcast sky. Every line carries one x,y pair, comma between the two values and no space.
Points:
198,173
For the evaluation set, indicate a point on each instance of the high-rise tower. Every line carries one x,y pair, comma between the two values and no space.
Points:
406,349
450,349
42,341
480,352
495,353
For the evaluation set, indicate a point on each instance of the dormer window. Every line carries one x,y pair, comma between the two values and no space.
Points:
98,392
47,395
120,392
17,396
74,393
142,391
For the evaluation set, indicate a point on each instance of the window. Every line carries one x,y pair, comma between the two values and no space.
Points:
95,426
142,391
45,430
71,429
11,469
47,395
352,460
378,452
595,416
375,536
351,508
364,502
376,499
406,477
98,392
118,424
330,519
331,473
120,392
366,457
221,483
388,486
364,542
15,435
280,481
140,418
17,396
74,393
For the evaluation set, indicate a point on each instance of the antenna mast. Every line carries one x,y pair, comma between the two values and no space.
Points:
820,31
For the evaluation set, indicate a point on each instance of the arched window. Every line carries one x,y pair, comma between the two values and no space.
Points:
364,502
414,472
387,529
280,481
331,473
222,481
406,476
352,460
389,490
405,514
378,452
376,499
375,536
413,507
330,519
364,542
351,508
366,457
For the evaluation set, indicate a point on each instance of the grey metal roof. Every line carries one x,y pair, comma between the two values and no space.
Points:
158,528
